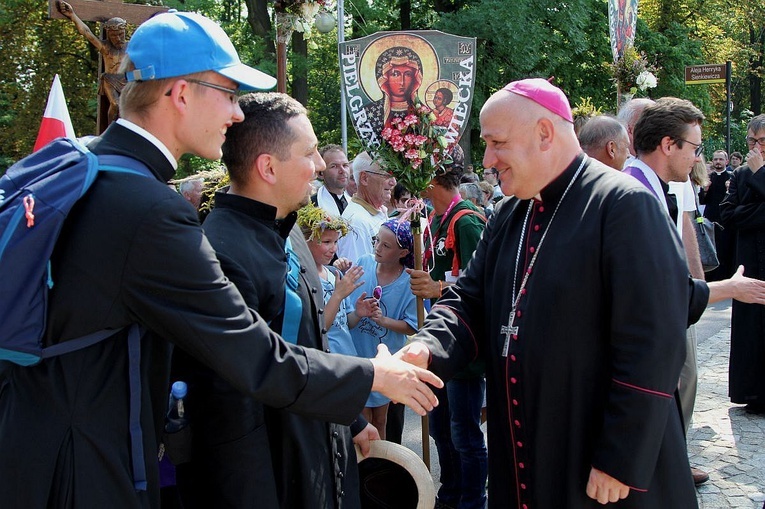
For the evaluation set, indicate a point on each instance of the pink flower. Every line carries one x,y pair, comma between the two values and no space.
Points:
412,154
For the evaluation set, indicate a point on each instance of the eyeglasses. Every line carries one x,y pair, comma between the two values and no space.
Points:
231,91
758,141
380,173
699,146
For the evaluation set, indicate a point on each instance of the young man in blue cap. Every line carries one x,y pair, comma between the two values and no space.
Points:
133,252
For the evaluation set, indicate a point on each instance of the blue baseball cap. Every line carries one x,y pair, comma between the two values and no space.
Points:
180,43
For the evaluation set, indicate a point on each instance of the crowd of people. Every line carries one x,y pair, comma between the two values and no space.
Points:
563,282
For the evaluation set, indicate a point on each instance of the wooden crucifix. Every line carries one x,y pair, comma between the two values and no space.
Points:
113,15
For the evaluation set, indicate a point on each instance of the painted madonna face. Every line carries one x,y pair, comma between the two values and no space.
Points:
401,79
399,73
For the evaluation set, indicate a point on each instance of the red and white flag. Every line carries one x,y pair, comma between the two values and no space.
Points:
56,121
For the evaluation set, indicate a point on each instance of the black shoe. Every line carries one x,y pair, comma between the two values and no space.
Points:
441,505
755,408
699,476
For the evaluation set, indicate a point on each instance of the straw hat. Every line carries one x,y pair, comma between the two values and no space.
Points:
393,476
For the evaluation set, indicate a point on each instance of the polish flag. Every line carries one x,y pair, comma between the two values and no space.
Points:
56,121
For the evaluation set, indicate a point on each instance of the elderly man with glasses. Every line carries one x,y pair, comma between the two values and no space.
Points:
743,210
367,210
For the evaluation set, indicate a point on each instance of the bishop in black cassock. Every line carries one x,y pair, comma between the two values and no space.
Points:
577,297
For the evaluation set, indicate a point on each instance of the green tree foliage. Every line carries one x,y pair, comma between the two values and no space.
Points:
548,38
35,49
516,40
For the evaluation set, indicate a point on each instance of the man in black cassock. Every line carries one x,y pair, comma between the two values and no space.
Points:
578,298
711,197
744,209
246,454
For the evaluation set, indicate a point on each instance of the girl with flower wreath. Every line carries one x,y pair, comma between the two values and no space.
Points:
322,231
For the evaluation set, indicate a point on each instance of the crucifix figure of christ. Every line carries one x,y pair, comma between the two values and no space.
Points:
114,16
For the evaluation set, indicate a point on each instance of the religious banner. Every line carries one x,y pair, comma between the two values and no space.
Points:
622,21
386,75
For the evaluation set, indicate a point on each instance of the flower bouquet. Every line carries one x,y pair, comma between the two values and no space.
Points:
632,72
413,149
298,16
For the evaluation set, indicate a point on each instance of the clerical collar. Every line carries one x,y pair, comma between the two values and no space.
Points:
127,124
553,191
257,210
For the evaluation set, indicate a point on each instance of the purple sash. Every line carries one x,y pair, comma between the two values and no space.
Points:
638,174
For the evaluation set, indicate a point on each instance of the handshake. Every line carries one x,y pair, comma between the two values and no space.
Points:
404,377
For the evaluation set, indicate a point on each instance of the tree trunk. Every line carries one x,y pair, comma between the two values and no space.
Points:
299,59
260,22
406,14
757,41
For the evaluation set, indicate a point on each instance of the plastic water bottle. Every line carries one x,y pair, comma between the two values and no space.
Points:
176,419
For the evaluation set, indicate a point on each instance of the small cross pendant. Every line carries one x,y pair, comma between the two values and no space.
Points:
508,331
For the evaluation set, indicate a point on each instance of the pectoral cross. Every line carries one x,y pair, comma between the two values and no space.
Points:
508,331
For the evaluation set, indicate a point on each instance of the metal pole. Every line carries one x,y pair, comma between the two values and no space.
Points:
283,34
728,72
341,38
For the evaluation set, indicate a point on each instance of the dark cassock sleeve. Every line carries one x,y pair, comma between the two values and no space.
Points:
646,277
698,298
455,327
744,205
177,264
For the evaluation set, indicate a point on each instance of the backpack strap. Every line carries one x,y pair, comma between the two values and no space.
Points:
73,345
123,164
135,334
451,238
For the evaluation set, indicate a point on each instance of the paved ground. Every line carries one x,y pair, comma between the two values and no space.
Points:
723,440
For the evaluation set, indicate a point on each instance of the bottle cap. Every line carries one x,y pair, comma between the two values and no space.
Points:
179,390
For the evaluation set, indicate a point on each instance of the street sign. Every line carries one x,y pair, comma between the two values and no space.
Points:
703,74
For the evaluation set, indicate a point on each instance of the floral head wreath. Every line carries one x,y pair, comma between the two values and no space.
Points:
314,221
404,238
